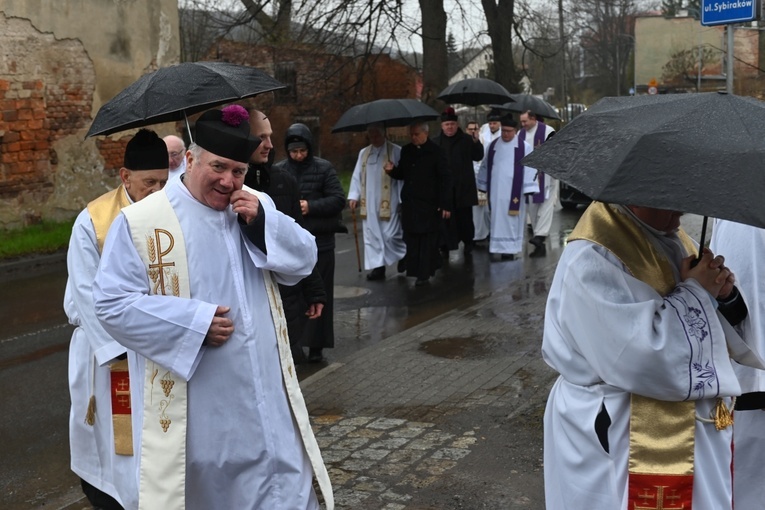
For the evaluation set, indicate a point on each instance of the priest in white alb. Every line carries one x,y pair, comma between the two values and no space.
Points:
507,182
188,281
743,246
378,198
100,433
642,339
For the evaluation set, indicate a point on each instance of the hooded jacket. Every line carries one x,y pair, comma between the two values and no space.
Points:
319,186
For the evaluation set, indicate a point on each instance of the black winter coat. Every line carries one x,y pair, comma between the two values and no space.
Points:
283,190
427,187
318,184
461,151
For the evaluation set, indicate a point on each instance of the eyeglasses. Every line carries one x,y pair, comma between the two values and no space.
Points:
175,154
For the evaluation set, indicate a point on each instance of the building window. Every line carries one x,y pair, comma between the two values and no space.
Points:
285,73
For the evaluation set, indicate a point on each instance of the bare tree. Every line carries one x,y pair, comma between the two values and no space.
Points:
500,20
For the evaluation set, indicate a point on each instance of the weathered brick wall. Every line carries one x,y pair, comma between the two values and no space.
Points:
59,61
327,85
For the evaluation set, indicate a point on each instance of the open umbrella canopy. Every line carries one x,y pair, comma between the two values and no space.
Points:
390,112
474,92
171,93
527,102
695,153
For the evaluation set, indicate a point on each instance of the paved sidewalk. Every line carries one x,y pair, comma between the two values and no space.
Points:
445,415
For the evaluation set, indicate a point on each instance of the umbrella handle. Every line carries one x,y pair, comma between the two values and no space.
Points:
695,262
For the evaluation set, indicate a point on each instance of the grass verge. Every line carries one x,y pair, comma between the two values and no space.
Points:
45,237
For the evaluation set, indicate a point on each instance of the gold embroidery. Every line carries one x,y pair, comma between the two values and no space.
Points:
167,383
660,499
164,419
157,270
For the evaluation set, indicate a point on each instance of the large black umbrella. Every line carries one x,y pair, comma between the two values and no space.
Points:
171,93
527,102
474,92
695,153
390,112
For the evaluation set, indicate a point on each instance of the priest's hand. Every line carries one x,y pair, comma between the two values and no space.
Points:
709,272
388,166
446,215
245,204
220,329
719,263
314,310
304,207
352,205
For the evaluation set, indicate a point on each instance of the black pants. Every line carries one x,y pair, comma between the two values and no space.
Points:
320,333
422,257
98,498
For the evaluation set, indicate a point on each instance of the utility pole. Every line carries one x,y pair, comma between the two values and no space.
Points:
729,67
563,92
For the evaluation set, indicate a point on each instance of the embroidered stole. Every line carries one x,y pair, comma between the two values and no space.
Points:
384,184
158,238
163,482
515,193
102,212
539,139
661,433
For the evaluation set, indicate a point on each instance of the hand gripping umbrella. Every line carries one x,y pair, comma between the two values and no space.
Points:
389,112
172,93
694,153
527,102
474,92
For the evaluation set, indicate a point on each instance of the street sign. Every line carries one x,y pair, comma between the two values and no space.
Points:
724,12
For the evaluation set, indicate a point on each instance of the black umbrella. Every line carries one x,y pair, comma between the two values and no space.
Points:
526,102
390,112
474,92
695,153
171,93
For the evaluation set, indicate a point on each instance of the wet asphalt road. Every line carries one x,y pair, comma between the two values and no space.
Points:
34,400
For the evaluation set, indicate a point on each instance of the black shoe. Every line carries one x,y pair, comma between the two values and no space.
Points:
314,355
420,282
507,256
401,266
537,241
377,273
539,251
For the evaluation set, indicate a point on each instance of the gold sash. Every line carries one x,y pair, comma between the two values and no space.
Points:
384,184
661,433
158,238
102,212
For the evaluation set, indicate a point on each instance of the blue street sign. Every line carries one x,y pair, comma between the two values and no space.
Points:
723,12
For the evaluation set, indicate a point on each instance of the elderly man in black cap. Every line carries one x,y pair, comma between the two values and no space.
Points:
506,181
100,435
188,282
460,150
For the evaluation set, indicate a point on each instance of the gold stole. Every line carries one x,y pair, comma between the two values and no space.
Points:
102,212
661,433
158,238
385,184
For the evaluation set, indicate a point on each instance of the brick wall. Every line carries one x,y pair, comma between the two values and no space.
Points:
326,86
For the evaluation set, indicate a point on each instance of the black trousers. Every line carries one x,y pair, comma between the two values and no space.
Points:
98,498
422,257
459,227
320,333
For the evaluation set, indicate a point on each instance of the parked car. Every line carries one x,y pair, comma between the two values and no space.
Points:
571,197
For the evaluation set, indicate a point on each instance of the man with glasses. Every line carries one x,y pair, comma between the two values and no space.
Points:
176,151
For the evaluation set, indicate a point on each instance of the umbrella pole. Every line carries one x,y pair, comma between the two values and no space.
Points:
702,241
188,128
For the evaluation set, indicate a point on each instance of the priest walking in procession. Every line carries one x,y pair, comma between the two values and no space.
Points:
541,205
640,415
188,281
100,433
378,198
507,181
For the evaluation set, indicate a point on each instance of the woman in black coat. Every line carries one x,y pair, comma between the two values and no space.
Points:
322,200
425,201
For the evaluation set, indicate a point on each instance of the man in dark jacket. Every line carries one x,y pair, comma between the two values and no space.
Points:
322,200
460,150
425,201
306,299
